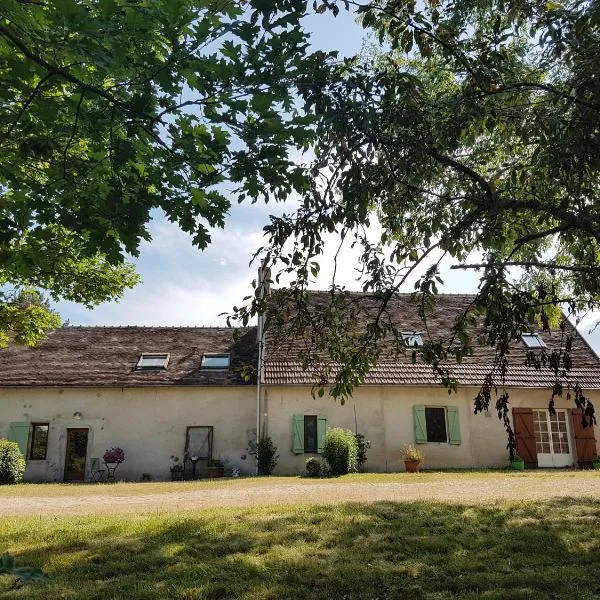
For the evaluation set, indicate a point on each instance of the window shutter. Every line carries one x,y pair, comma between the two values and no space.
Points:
298,434
19,432
321,431
453,425
420,426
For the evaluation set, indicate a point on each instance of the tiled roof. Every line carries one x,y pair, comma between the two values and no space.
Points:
107,356
388,373
282,367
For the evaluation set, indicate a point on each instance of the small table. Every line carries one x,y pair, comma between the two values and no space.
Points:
110,471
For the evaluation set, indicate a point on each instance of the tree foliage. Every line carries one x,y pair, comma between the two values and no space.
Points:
112,110
471,133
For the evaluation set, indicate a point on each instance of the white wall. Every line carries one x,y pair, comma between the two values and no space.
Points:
385,416
148,423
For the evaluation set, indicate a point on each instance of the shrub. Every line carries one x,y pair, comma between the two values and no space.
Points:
362,445
314,467
12,463
411,453
114,455
266,455
340,451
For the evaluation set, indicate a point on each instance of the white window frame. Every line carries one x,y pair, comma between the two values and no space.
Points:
414,336
153,355
538,342
214,355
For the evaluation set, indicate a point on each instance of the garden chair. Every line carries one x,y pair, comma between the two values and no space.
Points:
96,471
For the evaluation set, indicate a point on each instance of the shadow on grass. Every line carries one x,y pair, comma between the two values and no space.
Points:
382,550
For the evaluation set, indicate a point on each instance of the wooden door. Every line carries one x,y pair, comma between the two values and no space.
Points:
198,444
585,440
525,436
76,454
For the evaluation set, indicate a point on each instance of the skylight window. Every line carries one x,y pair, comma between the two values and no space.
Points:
533,340
412,338
215,361
153,361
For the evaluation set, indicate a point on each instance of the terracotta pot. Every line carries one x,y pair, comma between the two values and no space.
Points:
412,466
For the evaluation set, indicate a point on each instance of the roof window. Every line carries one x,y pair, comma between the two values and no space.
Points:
412,339
153,361
532,340
215,361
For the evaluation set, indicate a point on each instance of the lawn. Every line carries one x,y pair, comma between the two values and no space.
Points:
383,550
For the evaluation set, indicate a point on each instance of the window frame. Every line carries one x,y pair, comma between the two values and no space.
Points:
412,334
203,367
536,336
316,421
445,409
33,427
146,355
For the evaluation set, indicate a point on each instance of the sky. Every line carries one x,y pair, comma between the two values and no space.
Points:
182,285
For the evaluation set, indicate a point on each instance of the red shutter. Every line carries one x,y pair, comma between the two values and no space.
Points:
524,435
585,440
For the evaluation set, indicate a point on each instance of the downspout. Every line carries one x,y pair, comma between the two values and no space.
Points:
258,382
263,282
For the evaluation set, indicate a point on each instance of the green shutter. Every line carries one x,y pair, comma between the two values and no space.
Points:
420,426
298,434
321,431
453,425
19,432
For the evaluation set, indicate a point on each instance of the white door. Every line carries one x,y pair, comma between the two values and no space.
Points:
552,438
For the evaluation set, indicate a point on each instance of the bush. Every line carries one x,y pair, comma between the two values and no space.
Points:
12,463
340,451
266,455
314,467
362,445
114,455
411,453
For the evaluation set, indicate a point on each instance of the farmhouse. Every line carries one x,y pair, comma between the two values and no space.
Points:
166,395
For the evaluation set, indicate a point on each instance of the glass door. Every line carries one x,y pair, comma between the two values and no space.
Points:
76,454
552,438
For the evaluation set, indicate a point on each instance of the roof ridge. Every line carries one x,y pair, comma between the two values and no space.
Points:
224,327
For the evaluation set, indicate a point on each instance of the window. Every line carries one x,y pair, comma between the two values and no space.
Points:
215,361
412,338
39,441
310,433
153,362
533,340
435,423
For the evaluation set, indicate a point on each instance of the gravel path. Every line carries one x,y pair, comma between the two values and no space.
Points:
449,489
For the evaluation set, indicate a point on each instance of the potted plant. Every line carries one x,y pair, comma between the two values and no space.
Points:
112,459
176,469
517,463
596,462
216,468
413,458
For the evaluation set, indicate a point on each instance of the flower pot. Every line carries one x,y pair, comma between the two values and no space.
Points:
214,472
412,466
176,474
517,465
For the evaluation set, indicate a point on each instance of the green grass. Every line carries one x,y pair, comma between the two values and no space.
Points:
140,489
361,551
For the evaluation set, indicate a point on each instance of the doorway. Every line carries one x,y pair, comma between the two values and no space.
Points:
76,454
552,438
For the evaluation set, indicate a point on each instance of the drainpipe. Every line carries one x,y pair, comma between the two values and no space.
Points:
264,275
